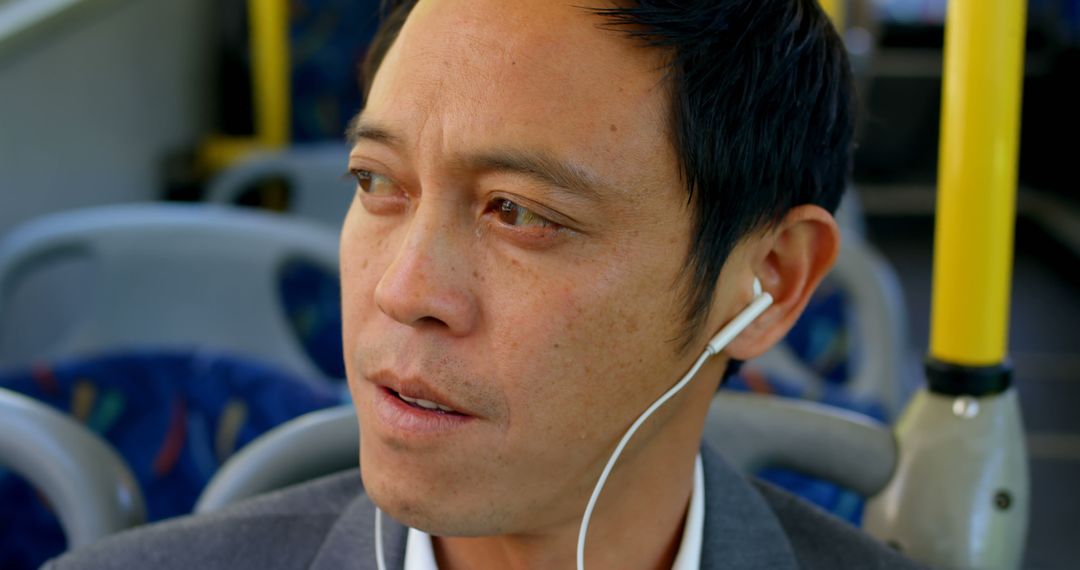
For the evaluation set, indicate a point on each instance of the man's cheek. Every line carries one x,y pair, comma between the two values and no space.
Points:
353,301
563,349
359,311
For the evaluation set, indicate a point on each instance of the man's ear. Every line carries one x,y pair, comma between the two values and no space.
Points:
790,260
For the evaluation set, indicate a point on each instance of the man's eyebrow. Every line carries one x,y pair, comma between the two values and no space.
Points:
363,129
539,166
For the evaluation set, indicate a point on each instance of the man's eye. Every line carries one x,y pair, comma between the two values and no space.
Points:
374,184
512,214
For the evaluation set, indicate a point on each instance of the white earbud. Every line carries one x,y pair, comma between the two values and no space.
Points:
727,334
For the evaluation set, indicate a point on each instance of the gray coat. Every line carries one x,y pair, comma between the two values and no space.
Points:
328,525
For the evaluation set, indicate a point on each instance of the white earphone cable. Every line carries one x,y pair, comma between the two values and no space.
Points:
726,335
380,559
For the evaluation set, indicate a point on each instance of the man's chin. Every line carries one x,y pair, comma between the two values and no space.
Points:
408,502
424,497
433,516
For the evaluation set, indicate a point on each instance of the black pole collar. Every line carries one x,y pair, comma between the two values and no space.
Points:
959,380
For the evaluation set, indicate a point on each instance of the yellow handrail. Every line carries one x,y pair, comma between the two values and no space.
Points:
976,204
268,25
269,33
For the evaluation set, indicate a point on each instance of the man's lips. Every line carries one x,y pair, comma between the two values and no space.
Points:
402,421
426,405
418,394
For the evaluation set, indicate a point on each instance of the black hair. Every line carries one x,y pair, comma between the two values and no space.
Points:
762,115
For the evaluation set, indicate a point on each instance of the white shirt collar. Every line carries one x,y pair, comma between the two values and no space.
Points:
419,554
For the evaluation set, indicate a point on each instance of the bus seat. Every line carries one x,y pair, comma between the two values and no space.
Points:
89,487
315,177
848,449
849,214
170,275
173,416
315,444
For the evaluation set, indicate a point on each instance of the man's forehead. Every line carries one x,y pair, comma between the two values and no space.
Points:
547,48
541,75
520,27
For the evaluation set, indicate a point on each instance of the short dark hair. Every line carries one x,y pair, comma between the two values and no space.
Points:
762,114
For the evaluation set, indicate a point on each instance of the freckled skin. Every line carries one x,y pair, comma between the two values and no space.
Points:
556,347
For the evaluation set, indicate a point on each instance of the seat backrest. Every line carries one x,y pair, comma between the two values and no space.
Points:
155,275
849,214
316,177
750,430
90,488
880,322
848,449
315,444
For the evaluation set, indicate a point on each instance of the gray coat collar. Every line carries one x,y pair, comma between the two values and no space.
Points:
741,531
350,544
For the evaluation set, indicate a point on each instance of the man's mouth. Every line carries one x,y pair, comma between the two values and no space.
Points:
414,409
427,405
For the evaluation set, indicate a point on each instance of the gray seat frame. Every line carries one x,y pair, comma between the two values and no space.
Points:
87,483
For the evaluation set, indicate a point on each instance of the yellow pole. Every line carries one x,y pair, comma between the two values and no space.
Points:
268,28
836,9
960,492
269,32
976,204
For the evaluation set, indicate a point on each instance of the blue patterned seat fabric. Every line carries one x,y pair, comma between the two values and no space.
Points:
311,299
175,417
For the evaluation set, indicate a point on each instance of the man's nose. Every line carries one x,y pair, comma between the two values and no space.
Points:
427,284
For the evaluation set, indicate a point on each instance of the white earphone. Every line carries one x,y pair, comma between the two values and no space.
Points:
761,301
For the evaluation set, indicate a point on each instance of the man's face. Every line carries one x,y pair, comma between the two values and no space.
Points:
514,253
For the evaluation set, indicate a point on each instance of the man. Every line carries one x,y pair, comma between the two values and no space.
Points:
559,204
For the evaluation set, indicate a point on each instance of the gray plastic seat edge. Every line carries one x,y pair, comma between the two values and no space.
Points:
314,444
847,448
89,485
